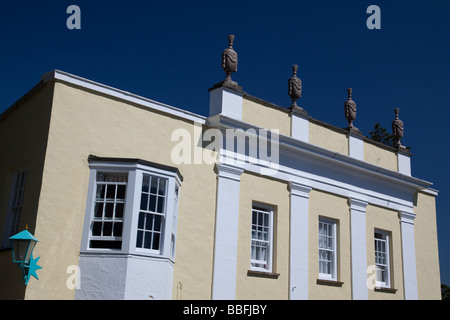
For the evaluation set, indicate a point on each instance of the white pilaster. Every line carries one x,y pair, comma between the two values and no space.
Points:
358,249
298,264
299,126
356,146
408,255
404,163
225,101
226,232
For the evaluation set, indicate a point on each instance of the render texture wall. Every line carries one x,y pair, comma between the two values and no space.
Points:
23,136
387,220
274,193
265,117
327,205
84,123
269,116
427,255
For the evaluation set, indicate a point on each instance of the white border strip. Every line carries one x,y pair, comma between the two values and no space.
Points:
120,94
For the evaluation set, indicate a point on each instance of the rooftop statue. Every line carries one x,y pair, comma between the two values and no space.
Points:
350,109
229,59
295,87
397,128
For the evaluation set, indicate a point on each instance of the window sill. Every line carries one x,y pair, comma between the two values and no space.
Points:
386,290
263,274
124,254
333,283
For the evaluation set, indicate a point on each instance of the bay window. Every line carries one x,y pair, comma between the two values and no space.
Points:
131,207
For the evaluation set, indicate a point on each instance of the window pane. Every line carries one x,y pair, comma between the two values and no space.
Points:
144,201
111,192
157,226
160,205
98,211
107,228
148,222
141,220
97,229
118,229
148,240
145,183
102,244
109,209
152,206
162,187
139,238
155,245
154,186
101,189
119,210
121,192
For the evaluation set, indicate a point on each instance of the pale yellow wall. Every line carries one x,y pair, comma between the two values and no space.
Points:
380,157
322,204
23,135
427,255
274,193
85,123
328,139
387,220
265,117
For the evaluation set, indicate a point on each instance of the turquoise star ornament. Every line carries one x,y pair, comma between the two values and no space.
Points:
31,269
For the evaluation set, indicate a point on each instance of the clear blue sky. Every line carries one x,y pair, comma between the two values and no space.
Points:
170,51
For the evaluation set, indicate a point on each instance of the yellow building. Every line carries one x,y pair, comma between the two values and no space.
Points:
134,199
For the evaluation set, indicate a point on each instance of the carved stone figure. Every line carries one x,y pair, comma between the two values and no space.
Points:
229,59
294,87
350,109
397,128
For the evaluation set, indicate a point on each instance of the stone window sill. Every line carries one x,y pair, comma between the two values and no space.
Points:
333,283
386,290
263,274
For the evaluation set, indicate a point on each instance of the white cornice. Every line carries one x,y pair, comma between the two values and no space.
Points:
328,158
121,94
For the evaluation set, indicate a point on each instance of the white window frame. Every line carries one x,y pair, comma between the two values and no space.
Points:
332,224
157,216
136,170
14,206
268,210
379,252
106,201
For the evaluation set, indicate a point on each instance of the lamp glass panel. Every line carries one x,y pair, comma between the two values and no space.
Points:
19,250
30,251
22,250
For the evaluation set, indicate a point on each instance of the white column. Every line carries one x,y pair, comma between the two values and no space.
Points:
298,263
226,232
299,126
358,249
408,255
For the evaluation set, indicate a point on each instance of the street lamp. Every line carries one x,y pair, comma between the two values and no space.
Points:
23,245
